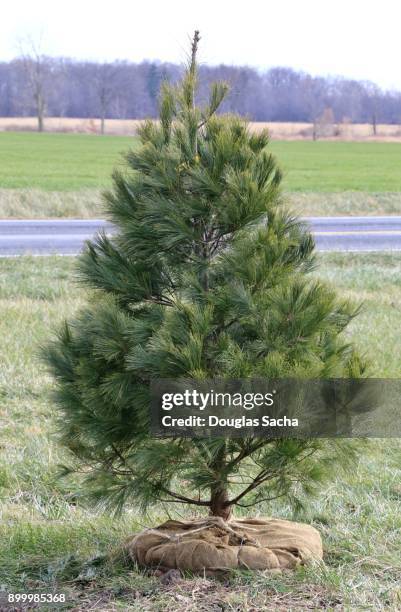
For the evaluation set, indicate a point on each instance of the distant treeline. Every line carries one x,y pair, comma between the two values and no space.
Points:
67,88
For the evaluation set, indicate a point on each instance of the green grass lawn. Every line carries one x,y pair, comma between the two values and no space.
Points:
51,542
60,162
327,167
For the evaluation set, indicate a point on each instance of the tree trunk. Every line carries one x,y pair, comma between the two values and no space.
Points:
218,505
219,489
40,108
40,123
374,124
314,131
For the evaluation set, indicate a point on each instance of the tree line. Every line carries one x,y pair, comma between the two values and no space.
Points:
38,85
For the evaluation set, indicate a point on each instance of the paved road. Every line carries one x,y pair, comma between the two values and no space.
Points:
66,236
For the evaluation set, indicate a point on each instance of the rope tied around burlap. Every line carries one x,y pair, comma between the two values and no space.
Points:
204,524
213,544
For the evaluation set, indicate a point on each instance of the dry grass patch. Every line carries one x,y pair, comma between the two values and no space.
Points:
279,130
41,204
347,203
87,203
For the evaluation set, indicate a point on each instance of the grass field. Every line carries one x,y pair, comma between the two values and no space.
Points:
67,162
50,542
62,175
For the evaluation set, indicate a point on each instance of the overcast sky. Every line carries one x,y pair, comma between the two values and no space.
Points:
354,38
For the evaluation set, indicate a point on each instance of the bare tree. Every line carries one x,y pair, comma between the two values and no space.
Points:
373,95
36,72
324,124
104,82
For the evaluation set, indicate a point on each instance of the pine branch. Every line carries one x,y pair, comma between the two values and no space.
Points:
183,499
122,459
176,496
262,477
260,501
247,452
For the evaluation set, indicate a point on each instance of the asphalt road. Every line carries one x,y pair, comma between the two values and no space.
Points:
66,236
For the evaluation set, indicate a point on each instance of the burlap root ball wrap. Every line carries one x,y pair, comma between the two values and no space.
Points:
214,545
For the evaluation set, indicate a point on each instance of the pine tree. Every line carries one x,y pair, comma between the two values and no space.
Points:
206,276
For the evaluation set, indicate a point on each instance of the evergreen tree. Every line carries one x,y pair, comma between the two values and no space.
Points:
206,276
